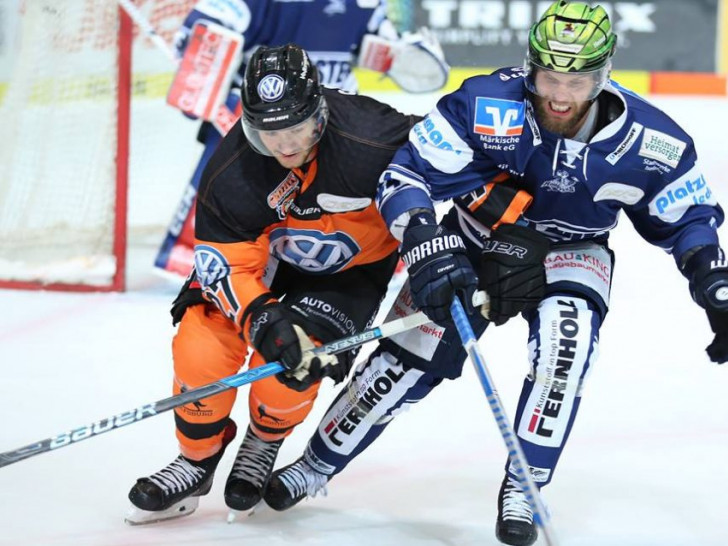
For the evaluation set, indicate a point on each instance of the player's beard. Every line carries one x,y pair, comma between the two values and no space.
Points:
566,126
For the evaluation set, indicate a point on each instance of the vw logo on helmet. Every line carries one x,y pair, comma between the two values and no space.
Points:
271,88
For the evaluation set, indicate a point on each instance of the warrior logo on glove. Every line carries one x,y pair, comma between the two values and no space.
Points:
440,243
438,268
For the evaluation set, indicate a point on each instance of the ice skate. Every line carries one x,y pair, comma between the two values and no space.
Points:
293,483
175,490
515,518
250,473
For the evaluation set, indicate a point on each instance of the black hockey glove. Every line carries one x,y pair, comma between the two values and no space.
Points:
277,339
189,295
707,271
512,271
439,269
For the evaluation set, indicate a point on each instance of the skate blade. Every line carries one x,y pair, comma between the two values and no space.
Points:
235,514
137,516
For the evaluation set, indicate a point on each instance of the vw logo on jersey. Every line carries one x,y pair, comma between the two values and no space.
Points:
210,265
271,87
498,117
213,272
313,251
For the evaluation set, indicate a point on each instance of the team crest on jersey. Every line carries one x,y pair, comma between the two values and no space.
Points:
280,199
313,251
562,183
498,117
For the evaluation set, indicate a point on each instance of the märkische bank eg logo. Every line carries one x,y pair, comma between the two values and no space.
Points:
497,117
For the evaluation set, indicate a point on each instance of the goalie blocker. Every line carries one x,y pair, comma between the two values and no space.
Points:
205,73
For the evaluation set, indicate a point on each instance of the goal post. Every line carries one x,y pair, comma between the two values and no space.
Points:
91,155
64,160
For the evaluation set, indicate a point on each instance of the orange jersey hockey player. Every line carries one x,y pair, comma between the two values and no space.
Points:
290,252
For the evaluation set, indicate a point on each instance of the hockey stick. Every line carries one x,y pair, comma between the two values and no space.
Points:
142,22
85,432
515,453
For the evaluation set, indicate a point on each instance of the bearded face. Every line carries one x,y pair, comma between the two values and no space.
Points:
562,100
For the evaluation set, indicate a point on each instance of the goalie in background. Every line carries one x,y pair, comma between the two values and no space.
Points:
290,251
218,37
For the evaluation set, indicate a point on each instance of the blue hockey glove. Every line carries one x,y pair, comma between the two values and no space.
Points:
707,271
439,269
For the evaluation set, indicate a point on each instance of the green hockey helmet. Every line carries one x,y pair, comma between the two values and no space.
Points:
571,38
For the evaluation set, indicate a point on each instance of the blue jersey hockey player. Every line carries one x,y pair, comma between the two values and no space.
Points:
585,149
336,34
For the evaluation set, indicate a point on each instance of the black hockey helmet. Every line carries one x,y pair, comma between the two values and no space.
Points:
281,91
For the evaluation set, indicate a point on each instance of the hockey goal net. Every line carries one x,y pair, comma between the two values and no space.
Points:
74,76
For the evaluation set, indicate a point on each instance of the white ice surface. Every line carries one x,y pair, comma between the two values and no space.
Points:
645,466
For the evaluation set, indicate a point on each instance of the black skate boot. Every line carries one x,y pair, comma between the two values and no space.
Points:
251,471
175,490
293,483
515,518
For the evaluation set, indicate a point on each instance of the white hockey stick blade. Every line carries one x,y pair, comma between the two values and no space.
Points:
185,507
393,327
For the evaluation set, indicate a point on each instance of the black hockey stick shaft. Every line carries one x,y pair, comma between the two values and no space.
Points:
238,380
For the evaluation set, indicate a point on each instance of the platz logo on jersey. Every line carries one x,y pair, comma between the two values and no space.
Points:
674,200
498,117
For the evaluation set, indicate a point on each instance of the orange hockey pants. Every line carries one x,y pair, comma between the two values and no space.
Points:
207,348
